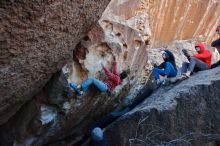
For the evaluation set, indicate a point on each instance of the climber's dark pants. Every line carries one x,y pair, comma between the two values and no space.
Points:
105,121
194,65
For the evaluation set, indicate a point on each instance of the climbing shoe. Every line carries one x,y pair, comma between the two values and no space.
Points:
159,82
186,75
74,87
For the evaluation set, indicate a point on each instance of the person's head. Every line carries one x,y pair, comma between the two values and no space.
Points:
123,75
197,49
200,48
97,134
218,30
165,56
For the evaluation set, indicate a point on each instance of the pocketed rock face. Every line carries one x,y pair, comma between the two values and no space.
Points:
187,114
37,38
117,36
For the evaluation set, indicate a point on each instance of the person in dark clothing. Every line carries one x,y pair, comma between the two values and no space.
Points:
105,121
200,61
111,117
216,44
166,69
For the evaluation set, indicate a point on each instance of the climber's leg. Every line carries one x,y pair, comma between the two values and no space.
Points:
157,72
101,86
194,62
170,70
184,68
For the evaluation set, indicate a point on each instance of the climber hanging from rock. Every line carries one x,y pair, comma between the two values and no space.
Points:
216,44
199,62
114,79
166,69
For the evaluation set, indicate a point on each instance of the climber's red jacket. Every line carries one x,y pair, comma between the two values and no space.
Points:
204,55
113,77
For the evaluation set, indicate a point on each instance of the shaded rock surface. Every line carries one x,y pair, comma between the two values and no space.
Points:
128,32
185,114
37,38
59,117
62,118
